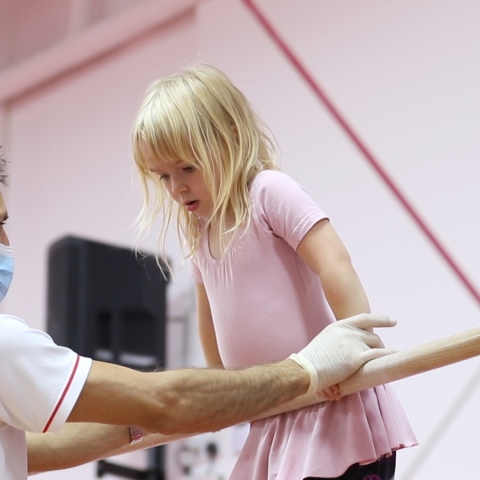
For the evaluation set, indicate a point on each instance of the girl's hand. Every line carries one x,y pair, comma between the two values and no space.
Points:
331,393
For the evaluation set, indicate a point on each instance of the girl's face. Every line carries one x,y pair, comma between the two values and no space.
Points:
185,184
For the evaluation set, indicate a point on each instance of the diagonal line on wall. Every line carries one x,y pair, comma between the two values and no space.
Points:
308,78
440,429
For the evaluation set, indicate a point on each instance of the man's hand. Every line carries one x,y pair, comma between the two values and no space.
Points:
342,348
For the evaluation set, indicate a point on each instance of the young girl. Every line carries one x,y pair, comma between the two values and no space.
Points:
270,271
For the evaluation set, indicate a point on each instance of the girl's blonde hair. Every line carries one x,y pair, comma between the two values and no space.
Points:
198,116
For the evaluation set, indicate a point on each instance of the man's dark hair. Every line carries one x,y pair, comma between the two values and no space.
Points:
3,170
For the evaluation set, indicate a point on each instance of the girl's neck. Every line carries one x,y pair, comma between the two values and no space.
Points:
218,241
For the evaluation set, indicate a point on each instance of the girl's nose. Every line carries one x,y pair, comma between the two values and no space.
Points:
178,187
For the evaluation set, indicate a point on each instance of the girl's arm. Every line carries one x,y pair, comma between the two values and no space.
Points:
206,330
323,251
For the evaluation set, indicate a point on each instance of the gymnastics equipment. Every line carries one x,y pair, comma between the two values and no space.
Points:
379,371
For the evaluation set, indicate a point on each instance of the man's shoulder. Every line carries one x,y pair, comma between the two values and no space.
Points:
13,332
11,322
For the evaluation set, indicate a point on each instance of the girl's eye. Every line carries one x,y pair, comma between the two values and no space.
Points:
190,168
163,177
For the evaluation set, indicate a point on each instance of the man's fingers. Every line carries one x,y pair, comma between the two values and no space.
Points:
370,339
367,321
373,353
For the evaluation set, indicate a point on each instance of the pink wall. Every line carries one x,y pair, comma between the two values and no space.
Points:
404,75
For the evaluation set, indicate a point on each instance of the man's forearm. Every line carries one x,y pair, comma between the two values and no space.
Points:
76,444
213,399
185,401
80,443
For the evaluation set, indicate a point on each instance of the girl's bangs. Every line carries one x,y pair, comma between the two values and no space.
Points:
170,142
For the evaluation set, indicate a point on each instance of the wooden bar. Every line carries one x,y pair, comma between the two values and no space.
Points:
397,366
380,371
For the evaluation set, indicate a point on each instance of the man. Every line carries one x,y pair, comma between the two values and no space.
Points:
43,386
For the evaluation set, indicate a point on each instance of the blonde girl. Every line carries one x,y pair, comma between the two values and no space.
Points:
270,272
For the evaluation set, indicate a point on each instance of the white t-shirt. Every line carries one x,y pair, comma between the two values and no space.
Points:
39,385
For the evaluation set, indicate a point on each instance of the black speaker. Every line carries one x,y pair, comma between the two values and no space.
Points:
109,304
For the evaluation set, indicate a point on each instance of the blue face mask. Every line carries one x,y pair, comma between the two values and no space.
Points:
6,269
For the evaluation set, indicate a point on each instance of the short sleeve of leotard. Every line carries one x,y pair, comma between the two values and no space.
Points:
284,207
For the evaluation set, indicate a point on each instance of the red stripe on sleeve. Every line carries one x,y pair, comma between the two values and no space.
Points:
70,380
